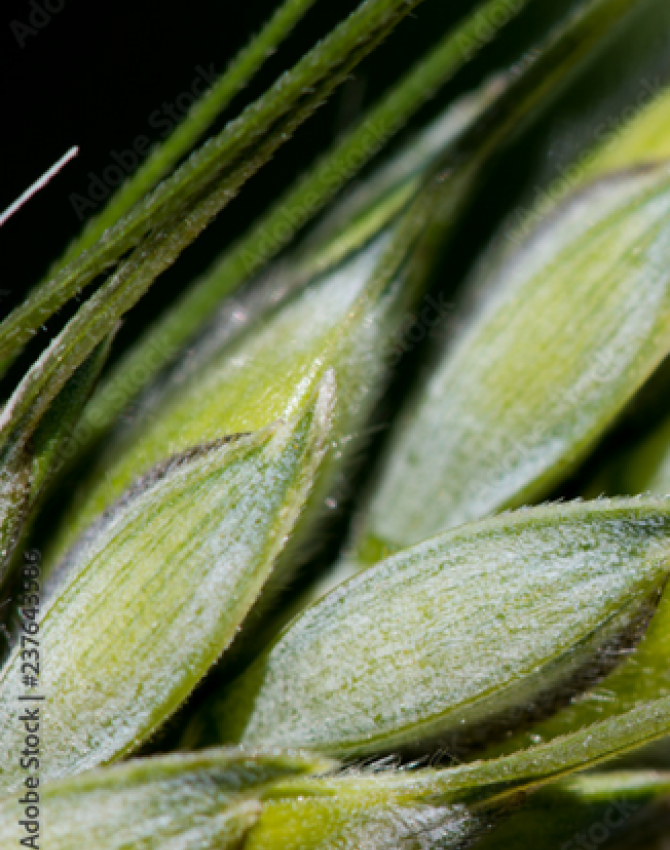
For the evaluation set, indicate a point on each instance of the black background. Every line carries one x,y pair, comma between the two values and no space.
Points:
94,73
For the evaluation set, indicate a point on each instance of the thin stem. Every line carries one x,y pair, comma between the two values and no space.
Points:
293,210
489,781
97,316
200,117
309,82
38,185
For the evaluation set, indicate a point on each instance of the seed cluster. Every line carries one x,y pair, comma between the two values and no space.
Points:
222,639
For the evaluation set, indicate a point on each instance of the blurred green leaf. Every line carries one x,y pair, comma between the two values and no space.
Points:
645,139
629,143
594,808
580,318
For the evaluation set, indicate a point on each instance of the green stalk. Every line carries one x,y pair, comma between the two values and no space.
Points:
481,786
166,155
452,808
289,215
232,157
97,316
200,117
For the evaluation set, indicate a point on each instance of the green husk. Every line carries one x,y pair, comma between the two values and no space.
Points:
645,140
156,591
526,90
579,320
207,801
462,634
362,279
643,676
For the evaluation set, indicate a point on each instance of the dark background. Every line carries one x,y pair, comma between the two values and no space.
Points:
93,74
